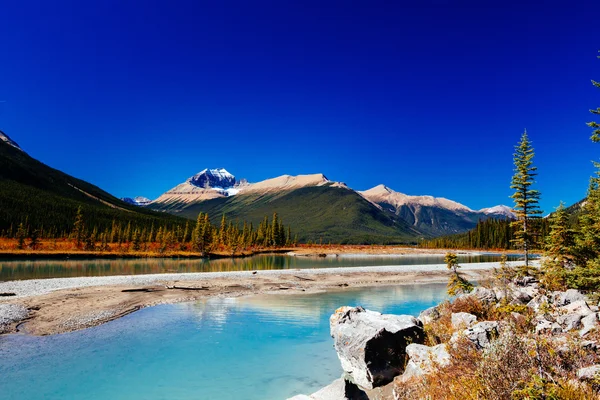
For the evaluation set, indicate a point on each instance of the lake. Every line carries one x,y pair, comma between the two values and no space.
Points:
256,347
42,269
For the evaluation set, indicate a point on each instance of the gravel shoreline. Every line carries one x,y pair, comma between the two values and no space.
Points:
37,287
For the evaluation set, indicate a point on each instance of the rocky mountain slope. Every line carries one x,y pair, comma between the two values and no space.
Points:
217,191
434,216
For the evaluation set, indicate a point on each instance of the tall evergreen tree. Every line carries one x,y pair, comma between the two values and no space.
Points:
595,125
78,228
560,240
526,199
588,240
21,235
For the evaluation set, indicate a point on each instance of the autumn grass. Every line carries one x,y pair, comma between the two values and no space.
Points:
58,248
518,365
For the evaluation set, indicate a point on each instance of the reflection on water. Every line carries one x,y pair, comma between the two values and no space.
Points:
251,348
15,270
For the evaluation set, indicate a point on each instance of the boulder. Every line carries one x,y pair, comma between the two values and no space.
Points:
569,321
482,334
561,299
424,360
340,389
570,315
537,302
577,307
485,295
521,295
545,326
588,373
429,315
372,346
525,280
463,320
588,323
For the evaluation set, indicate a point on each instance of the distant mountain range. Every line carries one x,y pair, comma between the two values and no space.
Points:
317,209
321,209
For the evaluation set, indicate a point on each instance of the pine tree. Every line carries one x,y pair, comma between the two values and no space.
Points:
136,241
34,240
78,228
223,231
560,241
21,235
457,284
526,199
595,125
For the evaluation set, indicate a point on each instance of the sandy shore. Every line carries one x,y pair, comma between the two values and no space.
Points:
67,304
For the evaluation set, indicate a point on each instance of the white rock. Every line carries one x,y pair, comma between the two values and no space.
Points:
588,373
372,346
424,360
545,326
463,320
589,323
563,298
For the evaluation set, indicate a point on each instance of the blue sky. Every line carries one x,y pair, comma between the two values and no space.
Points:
428,97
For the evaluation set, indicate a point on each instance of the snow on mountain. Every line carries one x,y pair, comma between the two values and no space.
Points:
214,183
500,210
4,137
213,178
137,201
205,185
383,194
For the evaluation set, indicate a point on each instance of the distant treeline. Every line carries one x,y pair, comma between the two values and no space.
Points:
488,234
202,236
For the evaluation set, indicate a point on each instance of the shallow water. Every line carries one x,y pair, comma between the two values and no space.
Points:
42,269
260,347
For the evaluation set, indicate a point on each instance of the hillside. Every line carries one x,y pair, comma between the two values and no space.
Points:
434,216
327,213
47,199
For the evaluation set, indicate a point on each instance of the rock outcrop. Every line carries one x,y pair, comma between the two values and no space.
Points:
372,346
424,360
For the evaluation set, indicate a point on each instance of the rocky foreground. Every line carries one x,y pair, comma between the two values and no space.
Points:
511,342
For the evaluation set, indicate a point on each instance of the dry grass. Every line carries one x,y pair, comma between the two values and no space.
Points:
518,365
60,247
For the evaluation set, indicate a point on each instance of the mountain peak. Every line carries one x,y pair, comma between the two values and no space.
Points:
5,138
380,189
137,201
213,178
501,209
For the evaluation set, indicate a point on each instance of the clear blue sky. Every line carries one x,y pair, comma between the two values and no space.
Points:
428,97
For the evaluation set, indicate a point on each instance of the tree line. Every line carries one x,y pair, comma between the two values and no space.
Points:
490,234
202,236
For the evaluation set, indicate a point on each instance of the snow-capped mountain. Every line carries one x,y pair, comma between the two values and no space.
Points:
205,185
501,210
213,178
4,137
433,215
137,201
216,183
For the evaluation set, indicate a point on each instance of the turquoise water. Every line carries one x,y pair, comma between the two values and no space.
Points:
42,269
259,347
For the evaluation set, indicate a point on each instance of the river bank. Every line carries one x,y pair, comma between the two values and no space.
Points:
60,253
67,304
